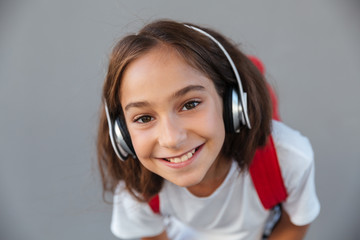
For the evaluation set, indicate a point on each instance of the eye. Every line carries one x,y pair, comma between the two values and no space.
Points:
190,105
143,119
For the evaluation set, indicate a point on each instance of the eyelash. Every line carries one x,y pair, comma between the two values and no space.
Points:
141,119
196,102
186,107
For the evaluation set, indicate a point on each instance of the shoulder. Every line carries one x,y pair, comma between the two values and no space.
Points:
295,155
296,160
131,218
294,150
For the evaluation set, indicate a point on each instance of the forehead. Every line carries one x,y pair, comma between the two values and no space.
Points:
162,69
160,56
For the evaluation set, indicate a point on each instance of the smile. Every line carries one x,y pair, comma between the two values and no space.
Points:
182,158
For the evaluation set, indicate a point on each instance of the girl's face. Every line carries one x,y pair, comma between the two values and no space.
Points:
174,117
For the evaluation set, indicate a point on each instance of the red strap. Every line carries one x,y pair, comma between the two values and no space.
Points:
154,203
259,64
266,175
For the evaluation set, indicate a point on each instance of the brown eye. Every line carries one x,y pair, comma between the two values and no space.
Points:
144,119
190,105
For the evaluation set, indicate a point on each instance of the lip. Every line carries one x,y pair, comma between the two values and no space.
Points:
186,163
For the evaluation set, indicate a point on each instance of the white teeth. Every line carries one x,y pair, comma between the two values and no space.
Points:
183,158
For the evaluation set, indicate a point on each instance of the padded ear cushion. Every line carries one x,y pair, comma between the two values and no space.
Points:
125,134
228,113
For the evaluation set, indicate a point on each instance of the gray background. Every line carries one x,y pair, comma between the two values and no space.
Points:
53,57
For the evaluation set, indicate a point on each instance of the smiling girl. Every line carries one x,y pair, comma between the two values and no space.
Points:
169,131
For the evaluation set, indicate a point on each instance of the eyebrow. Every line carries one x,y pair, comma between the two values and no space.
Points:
177,94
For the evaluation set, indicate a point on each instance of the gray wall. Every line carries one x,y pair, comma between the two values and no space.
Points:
53,57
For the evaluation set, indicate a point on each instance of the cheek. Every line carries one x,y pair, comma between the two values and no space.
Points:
214,120
143,148
211,126
218,130
142,144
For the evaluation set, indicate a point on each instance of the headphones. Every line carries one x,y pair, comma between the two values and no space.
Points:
235,112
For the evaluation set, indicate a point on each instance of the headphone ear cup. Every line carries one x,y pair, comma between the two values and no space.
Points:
228,112
122,137
233,112
119,136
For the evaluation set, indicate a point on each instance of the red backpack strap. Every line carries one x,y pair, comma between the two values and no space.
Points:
259,64
264,169
266,176
154,204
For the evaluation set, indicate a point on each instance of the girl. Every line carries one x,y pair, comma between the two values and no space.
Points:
185,111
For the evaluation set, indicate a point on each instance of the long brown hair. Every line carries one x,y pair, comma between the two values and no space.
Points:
204,55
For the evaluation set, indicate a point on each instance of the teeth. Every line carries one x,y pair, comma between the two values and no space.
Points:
183,158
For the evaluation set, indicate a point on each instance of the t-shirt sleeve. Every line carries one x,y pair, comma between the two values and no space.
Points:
296,160
133,219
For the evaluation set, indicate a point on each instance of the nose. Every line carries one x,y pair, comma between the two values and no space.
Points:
171,133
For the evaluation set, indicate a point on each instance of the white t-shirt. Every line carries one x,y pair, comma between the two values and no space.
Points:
234,210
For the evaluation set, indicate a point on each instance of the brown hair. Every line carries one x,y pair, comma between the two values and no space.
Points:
203,54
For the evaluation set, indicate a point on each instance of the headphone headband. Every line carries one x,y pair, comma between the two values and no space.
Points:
243,95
